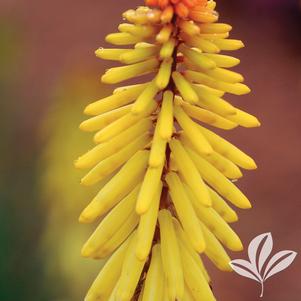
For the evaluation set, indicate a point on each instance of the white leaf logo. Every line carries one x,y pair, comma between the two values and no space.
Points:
259,268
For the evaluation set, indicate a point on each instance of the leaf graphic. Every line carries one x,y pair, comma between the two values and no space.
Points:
263,254
279,262
245,269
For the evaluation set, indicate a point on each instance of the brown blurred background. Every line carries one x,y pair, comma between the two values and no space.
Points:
48,73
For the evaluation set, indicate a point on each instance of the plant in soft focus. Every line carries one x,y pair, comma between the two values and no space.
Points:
164,176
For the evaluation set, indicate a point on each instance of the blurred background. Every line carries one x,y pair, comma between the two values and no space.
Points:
48,73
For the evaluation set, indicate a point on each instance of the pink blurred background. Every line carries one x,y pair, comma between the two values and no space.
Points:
47,54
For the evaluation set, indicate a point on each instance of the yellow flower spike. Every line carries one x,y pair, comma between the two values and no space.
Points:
164,34
130,274
104,150
122,38
219,182
163,75
197,58
138,55
112,163
167,49
105,282
194,135
165,180
118,187
185,212
189,172
184,88
119,74
123,123
100,121
147,225
145,99
171,260
166,119
194,277
118,99
182,236
111,223
154,281
148,189
215,251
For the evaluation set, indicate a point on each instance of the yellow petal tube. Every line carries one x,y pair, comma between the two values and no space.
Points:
117,188
123,123
148,189
119,74
122,38
171,260
219,182
189,172
201,43
107,149
154,281
121,98
104,284
163,75
130,274
215,27
194,277
215,251
164,34
184,88
194,135
147,225
167,49
166,117
228,44
144,31
138,55
223,61
185,212
110,54
111,223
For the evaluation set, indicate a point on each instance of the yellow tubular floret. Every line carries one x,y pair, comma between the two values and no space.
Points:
182,236
223,61
104,150
148,189
154,281
166,116
219,182
167,49
228,150
123,123
123,38
163,75
184,88
117,188
193,133
215,28
194,277
138,55
171,260
130,273
104,284
217,225
244,119
185,212
119,74
138,30
189,172
198,77
202,44
215,251
189,27
110,54
164,34
228,44
110,164
98,122
111,223
118,99
119,237
147,225
145,99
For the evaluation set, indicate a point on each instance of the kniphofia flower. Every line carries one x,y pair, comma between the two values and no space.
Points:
165,177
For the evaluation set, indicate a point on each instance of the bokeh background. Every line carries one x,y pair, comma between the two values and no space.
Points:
48,73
